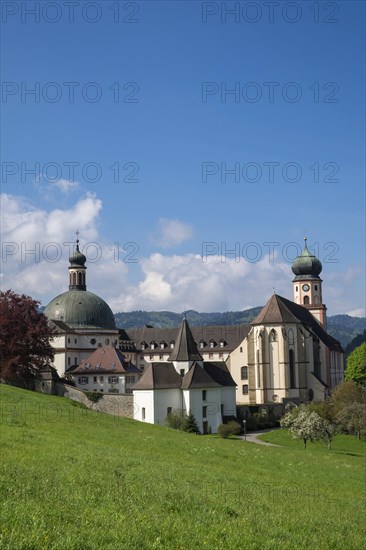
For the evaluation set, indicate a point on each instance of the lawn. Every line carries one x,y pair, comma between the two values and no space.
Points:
71,478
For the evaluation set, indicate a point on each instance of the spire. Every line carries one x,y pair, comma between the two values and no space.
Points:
185,348
306,264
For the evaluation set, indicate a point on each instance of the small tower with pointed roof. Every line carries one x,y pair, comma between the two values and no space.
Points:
308,284
185,351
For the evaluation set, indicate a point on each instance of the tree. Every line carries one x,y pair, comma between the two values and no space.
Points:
303,424
345,394
24,338
352,418
190,425
356,365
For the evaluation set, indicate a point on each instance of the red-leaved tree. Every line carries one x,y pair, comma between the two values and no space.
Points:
24,338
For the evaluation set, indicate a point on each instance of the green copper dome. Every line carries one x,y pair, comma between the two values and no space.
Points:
306,265
81,309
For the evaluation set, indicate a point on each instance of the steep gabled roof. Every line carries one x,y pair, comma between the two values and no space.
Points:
104,360
197,377
275,311
159,376
281,310
185,348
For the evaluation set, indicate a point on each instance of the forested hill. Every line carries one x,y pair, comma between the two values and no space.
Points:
342,327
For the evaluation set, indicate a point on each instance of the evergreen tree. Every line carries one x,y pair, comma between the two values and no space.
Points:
190,424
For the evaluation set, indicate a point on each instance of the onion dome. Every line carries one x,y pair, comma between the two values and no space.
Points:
77,259
307,265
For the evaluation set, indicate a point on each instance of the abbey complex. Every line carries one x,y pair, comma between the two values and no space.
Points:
283,356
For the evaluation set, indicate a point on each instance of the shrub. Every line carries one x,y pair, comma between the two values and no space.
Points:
231,428
176,419
93,396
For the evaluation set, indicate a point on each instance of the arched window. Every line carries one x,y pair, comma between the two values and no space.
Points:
79,278
74,278
306,299
290,336
273,336
292,368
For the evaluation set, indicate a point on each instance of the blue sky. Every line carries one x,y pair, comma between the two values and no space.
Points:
294,132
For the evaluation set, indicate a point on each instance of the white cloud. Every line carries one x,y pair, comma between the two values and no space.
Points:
160,281
357,312
172,233
47,187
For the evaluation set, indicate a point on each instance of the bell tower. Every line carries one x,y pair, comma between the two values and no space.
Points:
308,285
77,270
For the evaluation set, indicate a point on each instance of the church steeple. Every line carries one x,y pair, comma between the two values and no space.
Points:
185,351
308,285
77,269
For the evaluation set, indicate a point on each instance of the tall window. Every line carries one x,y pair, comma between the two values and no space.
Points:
204,411
306,299
245,389
169,410
244,373
292,368
204,393
143,413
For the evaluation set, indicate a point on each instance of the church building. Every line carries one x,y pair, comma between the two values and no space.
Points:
284,355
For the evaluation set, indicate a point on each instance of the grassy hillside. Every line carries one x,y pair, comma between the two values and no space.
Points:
75,479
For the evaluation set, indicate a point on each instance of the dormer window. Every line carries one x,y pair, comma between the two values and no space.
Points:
222,343
113,365
212,344
152,345
162,345
202,344
143,346
172,344
98,365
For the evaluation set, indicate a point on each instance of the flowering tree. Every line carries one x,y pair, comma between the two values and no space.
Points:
304,424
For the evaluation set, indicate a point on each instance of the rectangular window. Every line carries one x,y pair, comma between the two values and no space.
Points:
101,378
210,355
127,379
143,413
95,380
169,410
132,379
241,350
204,393
113,379
83,380
221,355
182,372
244,373
204,411
245,389
160,356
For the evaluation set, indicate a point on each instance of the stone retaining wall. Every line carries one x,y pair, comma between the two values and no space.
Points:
117,405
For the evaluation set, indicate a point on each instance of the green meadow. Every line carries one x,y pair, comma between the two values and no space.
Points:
74,479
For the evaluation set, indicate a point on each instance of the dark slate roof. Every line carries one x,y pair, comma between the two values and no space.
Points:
281,310
159,376
105,357
232,335
164,376
185,348
219,372
197,377
275,311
